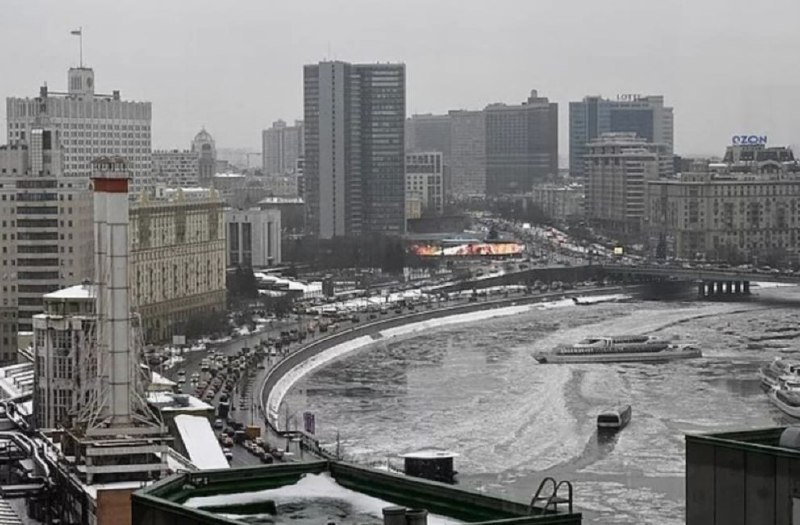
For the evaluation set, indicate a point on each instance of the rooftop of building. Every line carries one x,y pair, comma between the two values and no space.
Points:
764,440
51,441
278,283
281,200
174,151
16,381
164,195
322,491
203,136
170,402
626,98
200,441
77,292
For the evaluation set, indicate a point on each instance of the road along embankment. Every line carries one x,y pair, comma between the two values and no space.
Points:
284,374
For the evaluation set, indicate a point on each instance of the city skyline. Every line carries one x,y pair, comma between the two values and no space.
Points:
717,87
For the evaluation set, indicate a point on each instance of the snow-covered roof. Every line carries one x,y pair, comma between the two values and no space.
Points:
430,453
281,200
277,280
159,380
200,442
79,291
16,380
166,401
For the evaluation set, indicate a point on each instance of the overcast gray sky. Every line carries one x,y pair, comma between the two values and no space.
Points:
726,66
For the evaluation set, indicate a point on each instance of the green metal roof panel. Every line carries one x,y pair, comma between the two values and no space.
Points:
765,440
170,495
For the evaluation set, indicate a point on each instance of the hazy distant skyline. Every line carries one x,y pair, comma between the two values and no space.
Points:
726,66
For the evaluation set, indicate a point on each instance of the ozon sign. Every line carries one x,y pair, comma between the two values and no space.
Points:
749,139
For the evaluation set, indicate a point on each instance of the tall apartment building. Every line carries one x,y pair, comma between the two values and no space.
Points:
206,150
354,138
521,145
177,258
281,146
745,208
588,119
177,169
466,173
425,183
45,229
618,168
253,237
89,125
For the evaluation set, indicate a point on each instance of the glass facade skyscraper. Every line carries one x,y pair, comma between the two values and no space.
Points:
355,148
588,119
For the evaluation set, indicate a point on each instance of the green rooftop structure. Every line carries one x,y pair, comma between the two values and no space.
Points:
328,492
743,478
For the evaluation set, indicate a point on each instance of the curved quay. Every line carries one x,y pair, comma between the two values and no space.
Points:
368,333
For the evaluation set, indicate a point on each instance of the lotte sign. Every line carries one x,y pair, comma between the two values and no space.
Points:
739,140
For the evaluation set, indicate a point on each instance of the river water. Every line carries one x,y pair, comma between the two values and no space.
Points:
475,389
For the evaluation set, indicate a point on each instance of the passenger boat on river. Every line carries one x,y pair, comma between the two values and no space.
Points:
618,349
614,419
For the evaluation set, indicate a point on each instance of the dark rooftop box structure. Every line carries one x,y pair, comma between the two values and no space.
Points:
228,495
742,478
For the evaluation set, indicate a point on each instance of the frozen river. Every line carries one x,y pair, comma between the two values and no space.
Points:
475,389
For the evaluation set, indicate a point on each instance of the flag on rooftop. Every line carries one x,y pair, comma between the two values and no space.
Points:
76,32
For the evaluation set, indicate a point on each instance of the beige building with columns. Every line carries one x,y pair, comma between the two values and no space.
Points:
177,259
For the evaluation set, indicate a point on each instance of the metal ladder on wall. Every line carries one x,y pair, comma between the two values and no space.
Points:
552,500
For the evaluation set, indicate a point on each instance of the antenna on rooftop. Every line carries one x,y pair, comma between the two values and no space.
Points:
79,33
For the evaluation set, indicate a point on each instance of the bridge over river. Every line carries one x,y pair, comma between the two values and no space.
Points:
710,280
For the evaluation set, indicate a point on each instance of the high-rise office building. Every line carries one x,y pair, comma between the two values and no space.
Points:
45,226
281,146
355,146
205,148
644,115
466,170
521,145
89,124
618,168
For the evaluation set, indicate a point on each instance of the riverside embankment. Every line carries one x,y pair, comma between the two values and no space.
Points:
283,374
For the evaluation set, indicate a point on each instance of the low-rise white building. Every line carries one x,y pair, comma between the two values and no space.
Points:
63,337
254,237
558,201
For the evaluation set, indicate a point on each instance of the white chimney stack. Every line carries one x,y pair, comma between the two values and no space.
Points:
110,183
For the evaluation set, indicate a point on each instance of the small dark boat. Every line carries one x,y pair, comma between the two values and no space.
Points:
614,419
